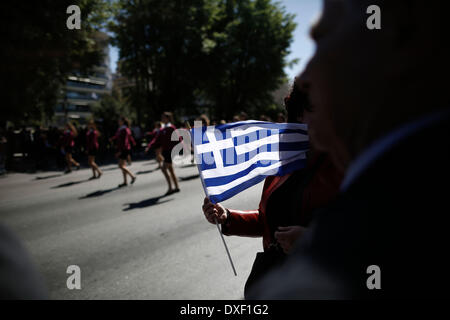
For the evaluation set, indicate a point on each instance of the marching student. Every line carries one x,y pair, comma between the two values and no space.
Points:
67,145
164,146
287,202
92,148
124,139
153,136
204,119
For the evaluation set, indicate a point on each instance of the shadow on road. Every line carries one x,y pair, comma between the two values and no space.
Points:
146,171
49,177
188,165
145,203
68,184
98,193
195,176
110,169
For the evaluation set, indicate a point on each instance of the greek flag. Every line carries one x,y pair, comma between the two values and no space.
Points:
233,157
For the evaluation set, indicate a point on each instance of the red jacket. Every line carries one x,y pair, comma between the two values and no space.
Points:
153,137
322,189
164,138
92,140
124,139
68,139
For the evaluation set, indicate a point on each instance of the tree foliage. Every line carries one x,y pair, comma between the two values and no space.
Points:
109,109
251,43
38,52
227,55
160,51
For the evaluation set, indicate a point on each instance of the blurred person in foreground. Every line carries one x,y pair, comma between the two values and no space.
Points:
281,217
383,114
19,278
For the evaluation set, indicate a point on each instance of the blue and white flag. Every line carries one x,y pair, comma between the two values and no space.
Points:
233,157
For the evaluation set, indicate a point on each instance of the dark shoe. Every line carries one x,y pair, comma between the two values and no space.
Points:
133,180
92,178
78,167
67,171
100,174
176,190
122,185
169,192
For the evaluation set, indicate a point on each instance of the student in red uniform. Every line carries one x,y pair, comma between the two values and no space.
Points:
152,137
164,146
92,148
286,205
124,139
67,144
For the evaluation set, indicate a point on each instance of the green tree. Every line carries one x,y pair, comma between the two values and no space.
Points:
160,46
184,54
251,41
108,110
38,52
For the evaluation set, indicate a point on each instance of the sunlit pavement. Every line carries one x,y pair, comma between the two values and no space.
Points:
130,243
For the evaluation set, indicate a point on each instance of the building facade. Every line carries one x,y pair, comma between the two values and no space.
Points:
81,91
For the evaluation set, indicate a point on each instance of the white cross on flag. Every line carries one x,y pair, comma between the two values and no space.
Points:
233,157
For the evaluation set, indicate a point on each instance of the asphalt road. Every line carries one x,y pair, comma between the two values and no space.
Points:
129,243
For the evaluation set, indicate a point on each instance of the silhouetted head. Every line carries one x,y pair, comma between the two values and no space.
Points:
123,121
92,125
364,83
167,117
204,119
158,124
69,126
297,104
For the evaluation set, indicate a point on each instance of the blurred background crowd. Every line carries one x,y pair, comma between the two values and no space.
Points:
30,149
226,59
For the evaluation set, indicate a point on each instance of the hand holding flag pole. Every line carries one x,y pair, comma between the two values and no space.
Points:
215,219
232,157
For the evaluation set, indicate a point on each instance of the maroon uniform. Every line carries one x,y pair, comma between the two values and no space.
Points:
92,142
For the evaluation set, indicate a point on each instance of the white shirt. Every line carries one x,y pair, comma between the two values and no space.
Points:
382,145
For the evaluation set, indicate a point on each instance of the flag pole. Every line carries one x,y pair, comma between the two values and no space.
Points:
226,247
217,224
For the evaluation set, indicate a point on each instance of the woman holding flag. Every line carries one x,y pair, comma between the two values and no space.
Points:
287,202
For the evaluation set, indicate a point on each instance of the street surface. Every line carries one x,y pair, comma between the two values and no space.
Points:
130,243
